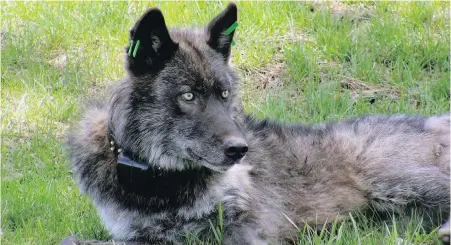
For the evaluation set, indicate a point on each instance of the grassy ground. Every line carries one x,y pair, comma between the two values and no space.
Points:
306,62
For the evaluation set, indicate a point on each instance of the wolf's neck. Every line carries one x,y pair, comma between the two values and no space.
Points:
168,189
155,189
147,186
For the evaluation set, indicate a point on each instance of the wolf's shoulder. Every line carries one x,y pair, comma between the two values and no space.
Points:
90,133
90,157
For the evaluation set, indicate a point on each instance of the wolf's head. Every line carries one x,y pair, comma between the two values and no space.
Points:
177,107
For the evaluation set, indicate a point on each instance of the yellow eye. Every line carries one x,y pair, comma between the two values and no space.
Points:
225,94
188,96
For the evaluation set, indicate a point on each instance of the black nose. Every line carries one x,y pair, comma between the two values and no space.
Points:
235,148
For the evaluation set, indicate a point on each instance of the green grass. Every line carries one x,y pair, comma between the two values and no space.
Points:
303,62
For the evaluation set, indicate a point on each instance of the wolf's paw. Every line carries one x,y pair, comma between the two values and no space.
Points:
70,241
444,233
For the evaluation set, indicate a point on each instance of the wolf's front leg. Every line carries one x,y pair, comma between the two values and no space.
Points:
445,232
74,241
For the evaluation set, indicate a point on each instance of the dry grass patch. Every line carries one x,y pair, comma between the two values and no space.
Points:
371,92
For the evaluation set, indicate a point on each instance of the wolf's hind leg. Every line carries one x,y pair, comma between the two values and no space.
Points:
396,189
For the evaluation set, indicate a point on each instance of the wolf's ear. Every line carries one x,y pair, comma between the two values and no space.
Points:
216,37
150,43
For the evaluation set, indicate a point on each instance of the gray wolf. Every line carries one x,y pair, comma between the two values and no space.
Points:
172,143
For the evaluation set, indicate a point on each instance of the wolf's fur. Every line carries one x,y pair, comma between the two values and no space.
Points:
292,174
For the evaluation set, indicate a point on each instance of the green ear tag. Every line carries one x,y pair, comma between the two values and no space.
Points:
230,30
136,49
130,48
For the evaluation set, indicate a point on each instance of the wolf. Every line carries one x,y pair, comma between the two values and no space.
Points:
171,149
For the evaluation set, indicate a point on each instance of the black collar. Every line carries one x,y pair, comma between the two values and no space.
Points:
136,176
124,157
133,174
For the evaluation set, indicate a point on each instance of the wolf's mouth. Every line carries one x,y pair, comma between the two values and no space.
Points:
215,166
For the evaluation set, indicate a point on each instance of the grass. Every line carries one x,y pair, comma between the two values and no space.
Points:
308,62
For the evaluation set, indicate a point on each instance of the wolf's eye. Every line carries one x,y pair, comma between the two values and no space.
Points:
188,96
225,94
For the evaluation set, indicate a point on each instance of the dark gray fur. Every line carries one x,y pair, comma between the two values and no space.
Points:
292,175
